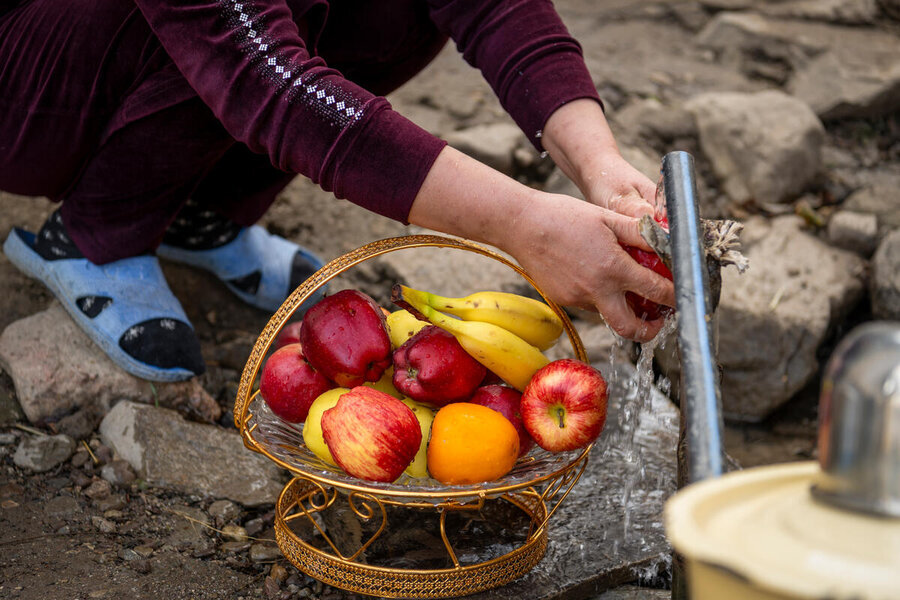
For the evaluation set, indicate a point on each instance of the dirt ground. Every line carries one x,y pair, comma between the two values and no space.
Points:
51,542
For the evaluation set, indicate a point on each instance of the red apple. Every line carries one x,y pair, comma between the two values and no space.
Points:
642,307
371,435
564,405
344,337
507,401
289,384
289,334
432,367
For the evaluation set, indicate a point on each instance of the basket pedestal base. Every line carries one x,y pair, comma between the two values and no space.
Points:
307,545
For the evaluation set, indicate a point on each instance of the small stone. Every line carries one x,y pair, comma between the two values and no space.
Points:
80,479
118,472
11,489
80,458
112,502
142,566
103,525
98,490
263,552
8,504
857,232
271,588
104,454
884,286
278,573
144,551
7,439
80,424
254,526
113,514
42,453
64,507
223,511
235,533
234,547
128,555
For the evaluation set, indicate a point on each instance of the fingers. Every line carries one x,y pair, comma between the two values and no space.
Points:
627,229
625,323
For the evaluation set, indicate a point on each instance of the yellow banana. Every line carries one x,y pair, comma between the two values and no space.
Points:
531,320
513,359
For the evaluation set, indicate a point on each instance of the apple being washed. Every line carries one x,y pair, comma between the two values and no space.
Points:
564,405
371,435
289,384
344,337
432,367
508,402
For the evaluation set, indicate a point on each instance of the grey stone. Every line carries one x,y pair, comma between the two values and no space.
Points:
263,552
891,8
656,121
62,507
843,12
98,490
42,453
223,511
493,144
110,502
840,72
885,283
118,472
881,199
764,146
10,411
167,451
57,369
633,592
235,533
7,439
857,232
103,525
189,528
773,318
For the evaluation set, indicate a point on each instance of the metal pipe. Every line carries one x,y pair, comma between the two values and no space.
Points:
700,400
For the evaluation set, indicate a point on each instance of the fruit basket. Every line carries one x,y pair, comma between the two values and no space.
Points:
532,491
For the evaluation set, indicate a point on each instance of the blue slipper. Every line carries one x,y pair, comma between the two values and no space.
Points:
260,268
125,307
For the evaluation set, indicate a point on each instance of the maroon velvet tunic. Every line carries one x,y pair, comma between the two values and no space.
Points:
98,94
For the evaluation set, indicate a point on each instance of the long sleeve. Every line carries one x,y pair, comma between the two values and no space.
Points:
525,53
246,60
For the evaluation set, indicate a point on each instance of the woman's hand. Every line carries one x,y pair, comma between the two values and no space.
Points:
571,248
580,142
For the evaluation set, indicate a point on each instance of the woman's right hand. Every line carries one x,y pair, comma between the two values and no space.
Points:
571,248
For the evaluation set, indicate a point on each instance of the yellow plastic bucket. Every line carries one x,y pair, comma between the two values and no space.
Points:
758,534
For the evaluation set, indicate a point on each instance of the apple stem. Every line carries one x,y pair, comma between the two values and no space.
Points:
561,414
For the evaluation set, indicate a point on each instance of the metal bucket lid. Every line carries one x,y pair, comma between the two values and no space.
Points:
763,525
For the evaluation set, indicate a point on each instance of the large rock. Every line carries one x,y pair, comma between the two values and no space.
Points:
57,369
881,199
167,451
885,284
42,453
774,317
841,72
764,146
492,144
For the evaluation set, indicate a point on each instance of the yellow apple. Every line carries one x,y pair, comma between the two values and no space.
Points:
419,466
402,325
312,429
386,384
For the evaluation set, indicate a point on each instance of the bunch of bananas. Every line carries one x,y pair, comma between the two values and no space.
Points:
504,332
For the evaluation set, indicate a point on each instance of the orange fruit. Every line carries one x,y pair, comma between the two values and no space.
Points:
471,444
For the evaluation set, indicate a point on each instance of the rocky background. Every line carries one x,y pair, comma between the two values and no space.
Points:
110,485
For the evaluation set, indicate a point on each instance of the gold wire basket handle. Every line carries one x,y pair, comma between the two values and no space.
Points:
341,264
